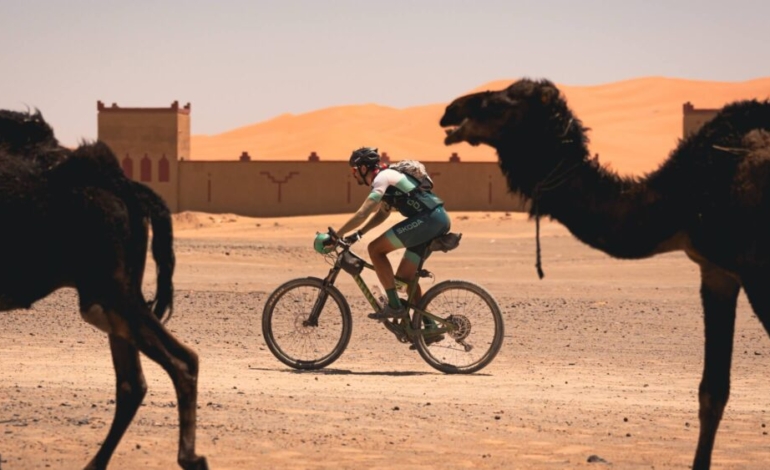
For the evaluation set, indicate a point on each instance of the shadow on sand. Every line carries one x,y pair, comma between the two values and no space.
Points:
391,373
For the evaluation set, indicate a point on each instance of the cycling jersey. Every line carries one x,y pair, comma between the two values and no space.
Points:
402,192
424,212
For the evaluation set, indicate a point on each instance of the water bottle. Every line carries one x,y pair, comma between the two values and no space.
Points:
379,297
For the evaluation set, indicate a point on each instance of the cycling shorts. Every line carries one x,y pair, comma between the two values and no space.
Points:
417,231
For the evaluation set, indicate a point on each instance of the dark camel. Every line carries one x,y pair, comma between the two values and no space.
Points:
72,219
710,199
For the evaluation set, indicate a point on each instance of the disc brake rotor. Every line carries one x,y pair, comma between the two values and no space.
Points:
462,327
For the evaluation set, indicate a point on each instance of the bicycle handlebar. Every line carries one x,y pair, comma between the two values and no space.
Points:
337,240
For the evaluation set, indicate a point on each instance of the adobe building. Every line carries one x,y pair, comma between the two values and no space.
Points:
149,143
153,146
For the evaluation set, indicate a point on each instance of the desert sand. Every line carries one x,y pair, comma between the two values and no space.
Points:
602,357
634,125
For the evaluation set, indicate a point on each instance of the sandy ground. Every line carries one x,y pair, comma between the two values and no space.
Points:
602,357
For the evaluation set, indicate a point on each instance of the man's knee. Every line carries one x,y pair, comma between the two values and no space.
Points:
380,247
374,252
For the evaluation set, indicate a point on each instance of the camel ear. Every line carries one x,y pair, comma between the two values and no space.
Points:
548,94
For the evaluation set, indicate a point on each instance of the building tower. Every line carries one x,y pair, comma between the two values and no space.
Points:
694,118
149,143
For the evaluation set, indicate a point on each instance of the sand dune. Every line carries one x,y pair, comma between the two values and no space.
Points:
634,125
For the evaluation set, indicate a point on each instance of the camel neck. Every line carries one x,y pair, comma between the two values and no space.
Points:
625,217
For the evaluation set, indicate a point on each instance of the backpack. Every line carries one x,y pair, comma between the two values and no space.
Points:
417,171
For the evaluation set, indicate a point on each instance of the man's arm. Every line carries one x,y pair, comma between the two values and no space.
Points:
377,218
359,217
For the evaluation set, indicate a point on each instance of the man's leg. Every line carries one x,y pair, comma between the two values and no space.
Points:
407,270
411,232
378,253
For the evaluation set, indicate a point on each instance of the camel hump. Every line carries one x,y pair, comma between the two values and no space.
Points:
90,164
738,119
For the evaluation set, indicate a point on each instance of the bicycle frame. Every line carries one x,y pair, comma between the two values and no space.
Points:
402,328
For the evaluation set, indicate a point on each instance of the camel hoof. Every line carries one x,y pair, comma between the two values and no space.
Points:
197,463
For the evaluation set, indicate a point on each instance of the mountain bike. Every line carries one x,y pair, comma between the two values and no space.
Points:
456,326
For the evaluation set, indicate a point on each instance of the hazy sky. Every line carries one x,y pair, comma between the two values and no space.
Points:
240,62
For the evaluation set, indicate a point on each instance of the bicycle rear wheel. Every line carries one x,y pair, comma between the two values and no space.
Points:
475,326
295,338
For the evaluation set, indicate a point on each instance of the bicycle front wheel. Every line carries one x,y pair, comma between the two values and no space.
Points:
298,337
473,324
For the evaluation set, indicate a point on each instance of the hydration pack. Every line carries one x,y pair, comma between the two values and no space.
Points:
417,171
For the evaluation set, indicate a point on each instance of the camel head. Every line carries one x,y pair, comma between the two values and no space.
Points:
528,123
490,117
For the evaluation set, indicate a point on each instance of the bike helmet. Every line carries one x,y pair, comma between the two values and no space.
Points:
322,244
368,157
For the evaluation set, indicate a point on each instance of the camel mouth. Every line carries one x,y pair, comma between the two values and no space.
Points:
452,136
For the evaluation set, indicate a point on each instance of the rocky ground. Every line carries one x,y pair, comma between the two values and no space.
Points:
599,368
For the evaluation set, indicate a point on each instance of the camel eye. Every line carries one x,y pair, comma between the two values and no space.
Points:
493,108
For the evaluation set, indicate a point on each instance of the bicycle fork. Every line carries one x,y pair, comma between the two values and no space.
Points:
320,301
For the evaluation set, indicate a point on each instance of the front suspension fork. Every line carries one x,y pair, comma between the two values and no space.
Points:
323,295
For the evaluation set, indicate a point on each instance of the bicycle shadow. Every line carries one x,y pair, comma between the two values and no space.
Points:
390,373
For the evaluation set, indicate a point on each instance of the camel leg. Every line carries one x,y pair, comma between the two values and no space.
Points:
181,363
719,294
131,389
142,329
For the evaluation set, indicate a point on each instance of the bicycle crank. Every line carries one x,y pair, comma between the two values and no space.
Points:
397,330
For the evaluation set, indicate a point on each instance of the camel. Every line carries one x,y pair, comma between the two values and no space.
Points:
710,199
72,219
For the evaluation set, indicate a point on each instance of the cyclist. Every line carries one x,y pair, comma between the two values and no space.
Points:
425,220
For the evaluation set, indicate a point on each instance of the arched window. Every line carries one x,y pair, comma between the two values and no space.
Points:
145,169
128,167
163,170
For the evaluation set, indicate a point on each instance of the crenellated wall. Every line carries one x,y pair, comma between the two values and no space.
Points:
284,188
153,146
